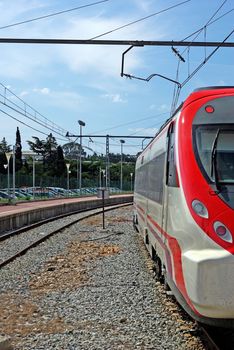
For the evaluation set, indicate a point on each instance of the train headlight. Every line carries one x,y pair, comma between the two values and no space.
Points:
200,209
222,231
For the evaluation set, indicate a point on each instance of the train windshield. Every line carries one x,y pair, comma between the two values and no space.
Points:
215,152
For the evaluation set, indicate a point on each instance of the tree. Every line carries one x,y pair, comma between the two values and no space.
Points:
38,146
51,154
18,151
61,165
72,150
4,148
46,148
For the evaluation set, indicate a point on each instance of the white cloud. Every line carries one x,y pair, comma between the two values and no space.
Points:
144,5
43,91
23,93
116,98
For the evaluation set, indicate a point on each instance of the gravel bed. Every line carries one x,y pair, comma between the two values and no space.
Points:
89,288
12,245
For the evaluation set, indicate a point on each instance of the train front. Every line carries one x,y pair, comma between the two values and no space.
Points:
206,172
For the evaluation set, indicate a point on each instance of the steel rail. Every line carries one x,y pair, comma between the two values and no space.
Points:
217,338
45,237
208,339
8,234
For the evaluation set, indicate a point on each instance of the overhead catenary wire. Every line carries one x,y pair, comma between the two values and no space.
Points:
206,25
130,123
128,24
177,89
52,14
25,124
45,122
141,19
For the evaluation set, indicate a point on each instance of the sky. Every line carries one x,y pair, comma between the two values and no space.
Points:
60,84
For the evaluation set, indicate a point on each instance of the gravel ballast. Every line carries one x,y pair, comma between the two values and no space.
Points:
91,288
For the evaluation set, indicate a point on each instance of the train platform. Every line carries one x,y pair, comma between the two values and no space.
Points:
14,216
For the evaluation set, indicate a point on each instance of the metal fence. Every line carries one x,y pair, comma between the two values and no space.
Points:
45,181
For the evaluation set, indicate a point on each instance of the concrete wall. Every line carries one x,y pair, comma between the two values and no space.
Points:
11,221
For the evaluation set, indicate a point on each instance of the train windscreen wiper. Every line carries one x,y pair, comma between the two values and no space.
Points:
214,172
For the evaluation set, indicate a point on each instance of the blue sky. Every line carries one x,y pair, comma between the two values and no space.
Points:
67,83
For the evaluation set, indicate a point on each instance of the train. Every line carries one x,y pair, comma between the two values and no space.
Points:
184,204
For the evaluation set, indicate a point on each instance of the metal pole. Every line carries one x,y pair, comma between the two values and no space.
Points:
103,208
81,123
8,156
80,174
100,177
77,171
107,162
68,166
8,179
131,174
68,180
13,172
33,177
121,165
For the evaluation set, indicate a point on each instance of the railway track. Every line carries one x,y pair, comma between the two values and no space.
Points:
216,338
41,236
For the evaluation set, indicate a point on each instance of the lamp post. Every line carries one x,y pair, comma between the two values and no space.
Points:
33,159
131,174
121,165
81,123
68,172
8,156
13,172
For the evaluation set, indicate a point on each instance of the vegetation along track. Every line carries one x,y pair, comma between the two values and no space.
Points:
40,236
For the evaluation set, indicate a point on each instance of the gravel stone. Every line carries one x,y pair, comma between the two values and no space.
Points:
89,288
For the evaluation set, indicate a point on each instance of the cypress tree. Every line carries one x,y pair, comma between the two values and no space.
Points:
18,151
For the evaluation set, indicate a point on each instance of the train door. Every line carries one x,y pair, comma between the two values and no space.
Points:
171,179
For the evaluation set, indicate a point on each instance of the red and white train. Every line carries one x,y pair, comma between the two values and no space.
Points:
184,204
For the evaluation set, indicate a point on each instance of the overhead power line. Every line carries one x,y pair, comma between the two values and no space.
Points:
23,123
141,19
208,24
52,14
137,43
210,21
131,123
15,103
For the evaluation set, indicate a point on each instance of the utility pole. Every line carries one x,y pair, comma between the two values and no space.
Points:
121,166
81,123
107,162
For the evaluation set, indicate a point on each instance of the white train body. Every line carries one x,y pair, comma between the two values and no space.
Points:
184,204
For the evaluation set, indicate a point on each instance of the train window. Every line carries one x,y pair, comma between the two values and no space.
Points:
155,178
214,147
149,179
171,179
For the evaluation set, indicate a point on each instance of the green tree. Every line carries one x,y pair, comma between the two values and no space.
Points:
18,151
48,150
4,148
61,165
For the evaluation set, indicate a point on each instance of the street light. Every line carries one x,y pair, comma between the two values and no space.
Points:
121,165
68,172
131,174
14,172
81,123
8,156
